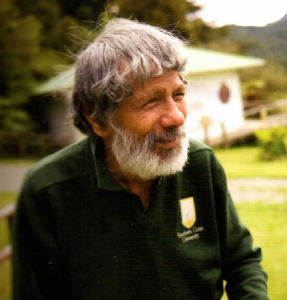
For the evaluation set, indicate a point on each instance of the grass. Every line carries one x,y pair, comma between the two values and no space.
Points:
243,162
267,223
18,162
264,189
5,267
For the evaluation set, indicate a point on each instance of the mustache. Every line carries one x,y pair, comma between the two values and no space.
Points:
132,141
172,134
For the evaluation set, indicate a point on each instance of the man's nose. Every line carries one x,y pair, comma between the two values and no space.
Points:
174,114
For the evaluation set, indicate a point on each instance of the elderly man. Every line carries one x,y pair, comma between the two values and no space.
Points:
136,210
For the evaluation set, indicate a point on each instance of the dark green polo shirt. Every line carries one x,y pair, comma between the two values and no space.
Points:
79,235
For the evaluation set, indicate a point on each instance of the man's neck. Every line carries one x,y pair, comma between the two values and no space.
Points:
142,188
138,186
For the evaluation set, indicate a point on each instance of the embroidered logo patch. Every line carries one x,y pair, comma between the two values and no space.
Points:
188,215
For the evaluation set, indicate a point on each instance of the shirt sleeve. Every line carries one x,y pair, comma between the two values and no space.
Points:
35,258
241,260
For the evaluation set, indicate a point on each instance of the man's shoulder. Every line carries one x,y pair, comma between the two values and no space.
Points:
200,154
196,146
201,163
69,163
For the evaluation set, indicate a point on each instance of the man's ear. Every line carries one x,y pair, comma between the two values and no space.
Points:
99,129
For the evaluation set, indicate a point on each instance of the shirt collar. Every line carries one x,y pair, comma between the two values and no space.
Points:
104,179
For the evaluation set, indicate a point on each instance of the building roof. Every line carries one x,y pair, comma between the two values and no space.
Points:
63,80
200,61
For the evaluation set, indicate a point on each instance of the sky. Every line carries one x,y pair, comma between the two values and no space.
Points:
242,12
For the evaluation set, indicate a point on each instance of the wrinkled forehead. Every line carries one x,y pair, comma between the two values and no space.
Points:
159,86
149,73
145,71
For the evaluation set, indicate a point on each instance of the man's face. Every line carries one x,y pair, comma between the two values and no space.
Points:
147,132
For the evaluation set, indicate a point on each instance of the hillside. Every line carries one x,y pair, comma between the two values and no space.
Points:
269,42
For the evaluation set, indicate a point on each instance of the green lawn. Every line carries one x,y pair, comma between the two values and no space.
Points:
267,223
17,162
244,162
5,268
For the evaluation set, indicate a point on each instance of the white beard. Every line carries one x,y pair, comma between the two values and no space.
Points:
139,157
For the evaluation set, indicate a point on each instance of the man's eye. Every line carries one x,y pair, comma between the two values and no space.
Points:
179,96
154,100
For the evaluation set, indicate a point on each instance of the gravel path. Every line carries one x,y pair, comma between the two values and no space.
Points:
264,189
255,189
11,177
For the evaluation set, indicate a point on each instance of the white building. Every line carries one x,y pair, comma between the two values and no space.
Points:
213,96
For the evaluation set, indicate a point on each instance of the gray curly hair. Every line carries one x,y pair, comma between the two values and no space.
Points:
124,51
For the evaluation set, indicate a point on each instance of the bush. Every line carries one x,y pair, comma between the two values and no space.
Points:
272,142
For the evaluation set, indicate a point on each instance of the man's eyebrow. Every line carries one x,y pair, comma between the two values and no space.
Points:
153,93
160,91
180,88
157,92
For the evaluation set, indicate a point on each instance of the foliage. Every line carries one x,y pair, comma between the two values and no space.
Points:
272,142
157,12
243,162
179,15
19,42
87,10
12,118
268,42
270,83
34,37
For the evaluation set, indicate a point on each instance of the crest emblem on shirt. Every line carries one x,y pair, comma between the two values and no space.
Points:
188,214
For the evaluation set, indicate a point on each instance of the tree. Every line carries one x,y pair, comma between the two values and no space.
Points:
85,10
157,12
19,42
180,14
35,36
